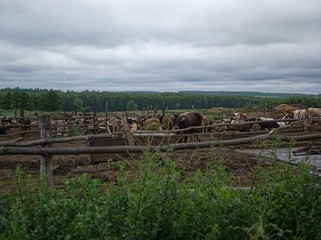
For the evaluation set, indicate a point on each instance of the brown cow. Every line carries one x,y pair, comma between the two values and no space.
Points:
116,124
166,121
25,124
186,120
237,119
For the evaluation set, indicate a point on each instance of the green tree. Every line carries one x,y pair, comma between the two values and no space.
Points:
8,101
131,106
36,102
79,103
51,101
20,99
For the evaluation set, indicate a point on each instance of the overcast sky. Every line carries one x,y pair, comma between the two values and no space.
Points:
161,45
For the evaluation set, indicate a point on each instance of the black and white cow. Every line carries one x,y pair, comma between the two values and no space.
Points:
6,123
8,120
267,123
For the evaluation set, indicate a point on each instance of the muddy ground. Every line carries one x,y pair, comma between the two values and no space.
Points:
240,165
69,166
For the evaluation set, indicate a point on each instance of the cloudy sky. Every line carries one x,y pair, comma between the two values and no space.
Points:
161,45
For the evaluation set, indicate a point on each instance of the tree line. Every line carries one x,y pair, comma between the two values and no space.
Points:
57,100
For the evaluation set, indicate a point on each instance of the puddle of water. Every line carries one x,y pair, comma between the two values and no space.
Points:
286,155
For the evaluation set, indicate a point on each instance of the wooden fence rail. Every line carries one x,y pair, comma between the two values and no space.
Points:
23,148
5,150
44,146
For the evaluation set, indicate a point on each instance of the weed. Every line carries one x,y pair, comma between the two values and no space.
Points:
160,204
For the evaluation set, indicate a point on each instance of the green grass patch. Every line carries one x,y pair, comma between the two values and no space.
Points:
161,204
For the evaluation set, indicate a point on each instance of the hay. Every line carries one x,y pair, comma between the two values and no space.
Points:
285,108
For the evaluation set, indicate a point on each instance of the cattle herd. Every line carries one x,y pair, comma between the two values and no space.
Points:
191,122
10,122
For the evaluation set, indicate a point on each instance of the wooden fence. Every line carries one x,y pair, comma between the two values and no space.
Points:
44,148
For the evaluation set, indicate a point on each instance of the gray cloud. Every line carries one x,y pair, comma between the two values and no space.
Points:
247,45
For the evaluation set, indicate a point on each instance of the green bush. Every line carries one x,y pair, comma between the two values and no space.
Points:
161,204
288,201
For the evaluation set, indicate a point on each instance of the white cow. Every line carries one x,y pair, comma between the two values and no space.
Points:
300,113
312,112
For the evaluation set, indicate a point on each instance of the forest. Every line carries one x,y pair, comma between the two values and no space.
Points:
57,100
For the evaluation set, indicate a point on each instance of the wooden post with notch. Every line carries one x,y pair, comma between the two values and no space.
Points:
129,135
46,165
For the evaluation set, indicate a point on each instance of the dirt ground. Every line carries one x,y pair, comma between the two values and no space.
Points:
188,161
240,165
70,166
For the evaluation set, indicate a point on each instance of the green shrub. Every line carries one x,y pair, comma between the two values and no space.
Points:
160,204
289,200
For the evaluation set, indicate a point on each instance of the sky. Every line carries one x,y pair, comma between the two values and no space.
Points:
161,45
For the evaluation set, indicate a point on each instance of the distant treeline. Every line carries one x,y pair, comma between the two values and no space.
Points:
56,100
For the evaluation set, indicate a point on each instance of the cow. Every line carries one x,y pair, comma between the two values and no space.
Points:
264,123
298,114
8,120
4,129
26,124
283,124
133,127
237,120
312,113
267,123
186,120
238,117
116,124
166,121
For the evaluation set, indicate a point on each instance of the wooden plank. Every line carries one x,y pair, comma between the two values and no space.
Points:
22,122
47,151
46,164
128,133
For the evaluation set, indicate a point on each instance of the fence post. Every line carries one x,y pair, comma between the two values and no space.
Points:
95,120
106,117
75,110
22,122
128,133
46,165
306,120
